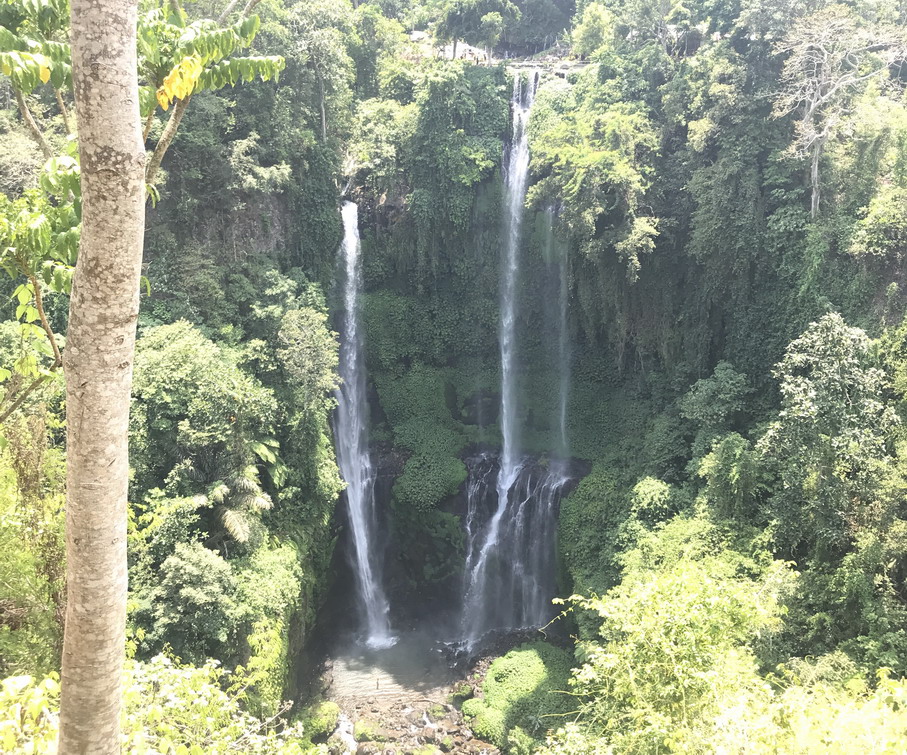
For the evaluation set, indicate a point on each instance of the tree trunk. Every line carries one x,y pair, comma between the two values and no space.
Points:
33,127
814,176
453,54
98,366
324,115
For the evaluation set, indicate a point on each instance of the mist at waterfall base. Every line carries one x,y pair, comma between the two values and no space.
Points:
509,504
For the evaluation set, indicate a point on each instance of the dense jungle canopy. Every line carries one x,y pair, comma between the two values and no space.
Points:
709,334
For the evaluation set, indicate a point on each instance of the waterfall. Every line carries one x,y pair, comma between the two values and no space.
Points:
351,433
482,609
562,356
516,179
511,571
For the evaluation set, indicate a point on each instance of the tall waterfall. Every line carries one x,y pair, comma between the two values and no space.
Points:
351,433
505,533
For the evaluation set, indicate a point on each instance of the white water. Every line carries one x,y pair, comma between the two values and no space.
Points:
351,433
516,177
518,575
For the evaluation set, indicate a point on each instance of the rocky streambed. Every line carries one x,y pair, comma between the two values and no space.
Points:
403,700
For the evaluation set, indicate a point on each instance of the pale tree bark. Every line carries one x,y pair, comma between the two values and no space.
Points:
830,57
98,367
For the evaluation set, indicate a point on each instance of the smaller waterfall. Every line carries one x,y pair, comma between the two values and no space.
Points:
351,433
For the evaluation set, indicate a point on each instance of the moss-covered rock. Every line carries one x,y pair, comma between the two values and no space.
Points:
461,693
521,696
319,720
368,731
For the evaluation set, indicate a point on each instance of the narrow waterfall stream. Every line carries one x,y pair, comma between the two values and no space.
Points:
351,433
563,355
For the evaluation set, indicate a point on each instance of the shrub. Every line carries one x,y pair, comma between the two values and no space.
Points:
320,719
167,708
522,696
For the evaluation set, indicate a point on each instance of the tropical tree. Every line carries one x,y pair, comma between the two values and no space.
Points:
829,445
829,56
477,22
34,50
180,58
98,363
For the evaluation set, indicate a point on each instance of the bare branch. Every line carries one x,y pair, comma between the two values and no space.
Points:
154,163
227,11
33,127
64,111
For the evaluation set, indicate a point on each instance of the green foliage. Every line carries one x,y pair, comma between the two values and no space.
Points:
651,501
714,404
199,418
31,555
416,407
27,720
883,230
384,127
594,31
268,591
734,477
595,162
478,22
427,480
308,354
194,607
319,719
539,25
33,45
675,638
523,695
713,401
829,444
588,530
168,709
180,58
456,145
432,544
